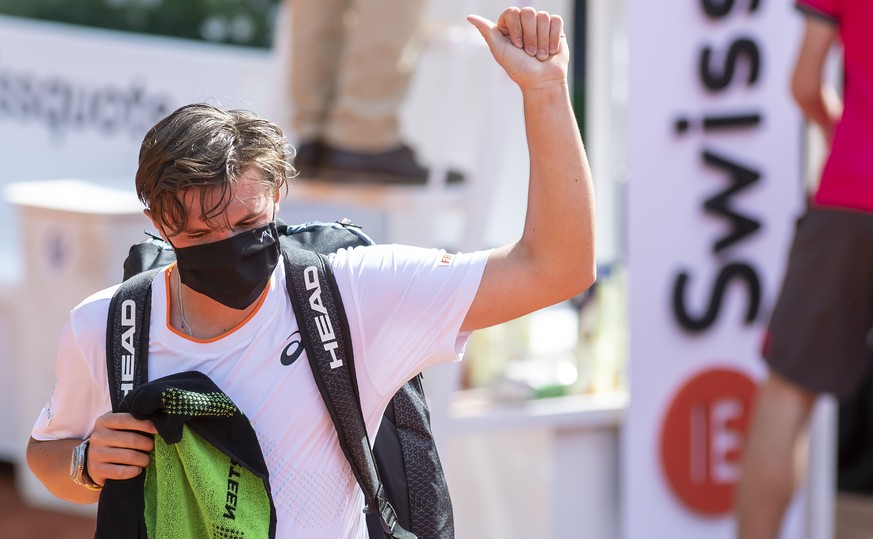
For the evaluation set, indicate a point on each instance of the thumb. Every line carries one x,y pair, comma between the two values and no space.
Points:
487,28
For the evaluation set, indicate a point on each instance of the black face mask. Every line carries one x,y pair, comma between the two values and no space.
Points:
233,271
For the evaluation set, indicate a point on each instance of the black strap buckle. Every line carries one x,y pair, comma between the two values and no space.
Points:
387,516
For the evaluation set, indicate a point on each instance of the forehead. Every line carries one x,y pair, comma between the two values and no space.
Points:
246,196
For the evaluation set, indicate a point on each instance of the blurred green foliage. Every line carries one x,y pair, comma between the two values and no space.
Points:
239,22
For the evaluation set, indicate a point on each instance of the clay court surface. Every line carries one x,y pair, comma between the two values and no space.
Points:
18,521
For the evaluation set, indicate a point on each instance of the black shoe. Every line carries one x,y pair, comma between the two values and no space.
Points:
396,166
308,158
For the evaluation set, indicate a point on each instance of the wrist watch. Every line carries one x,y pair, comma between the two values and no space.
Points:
79,467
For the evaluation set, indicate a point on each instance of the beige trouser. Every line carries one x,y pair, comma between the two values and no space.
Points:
348,70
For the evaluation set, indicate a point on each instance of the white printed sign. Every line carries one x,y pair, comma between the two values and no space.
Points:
76,102
715,184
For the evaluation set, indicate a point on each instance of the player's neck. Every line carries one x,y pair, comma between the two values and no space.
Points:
201,317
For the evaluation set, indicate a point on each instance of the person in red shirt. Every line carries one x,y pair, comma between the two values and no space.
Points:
817,338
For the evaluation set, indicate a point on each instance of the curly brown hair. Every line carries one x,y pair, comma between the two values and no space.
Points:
200,145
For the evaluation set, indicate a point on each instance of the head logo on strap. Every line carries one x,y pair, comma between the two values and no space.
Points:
322,321
128,359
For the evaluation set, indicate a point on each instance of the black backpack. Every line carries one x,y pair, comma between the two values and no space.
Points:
401,476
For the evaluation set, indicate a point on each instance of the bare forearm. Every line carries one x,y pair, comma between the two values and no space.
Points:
50,462
817,100
559,226
823,108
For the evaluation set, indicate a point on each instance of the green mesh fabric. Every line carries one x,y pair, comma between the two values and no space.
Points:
177,401
193,490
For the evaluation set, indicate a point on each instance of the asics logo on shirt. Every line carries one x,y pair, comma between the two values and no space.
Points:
293,350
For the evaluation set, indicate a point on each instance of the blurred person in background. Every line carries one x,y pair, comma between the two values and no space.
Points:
817,338
351,62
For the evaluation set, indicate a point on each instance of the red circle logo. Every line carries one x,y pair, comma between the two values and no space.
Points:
702,438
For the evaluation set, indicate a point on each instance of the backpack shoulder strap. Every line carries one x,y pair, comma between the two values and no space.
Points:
325,334
127,336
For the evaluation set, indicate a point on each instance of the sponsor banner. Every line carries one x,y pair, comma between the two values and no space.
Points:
715,184
75,102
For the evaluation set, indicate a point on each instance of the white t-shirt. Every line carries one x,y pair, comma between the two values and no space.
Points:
405,306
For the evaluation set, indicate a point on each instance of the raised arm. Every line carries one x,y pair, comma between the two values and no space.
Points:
554,259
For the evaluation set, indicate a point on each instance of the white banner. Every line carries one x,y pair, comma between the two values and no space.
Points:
715,185
76,102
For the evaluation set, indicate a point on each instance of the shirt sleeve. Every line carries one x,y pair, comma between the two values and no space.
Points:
80,393
407,304
828,10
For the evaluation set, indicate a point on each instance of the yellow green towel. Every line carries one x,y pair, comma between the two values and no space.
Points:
206,477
